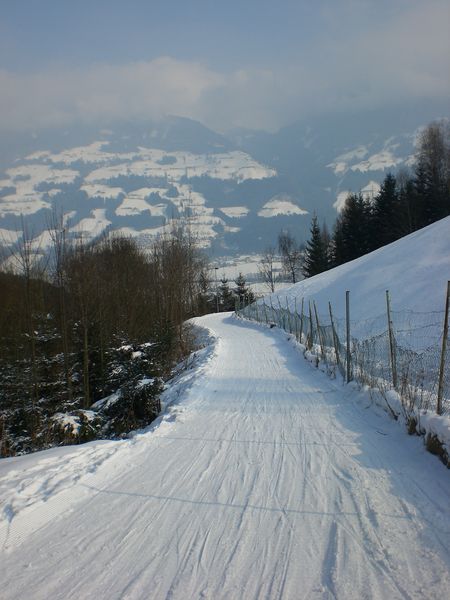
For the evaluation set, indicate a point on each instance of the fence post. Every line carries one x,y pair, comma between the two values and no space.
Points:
296,318
281,314
265,312
288,316
347,319
335,342
311,330
391,342
443,352
301,321
319,334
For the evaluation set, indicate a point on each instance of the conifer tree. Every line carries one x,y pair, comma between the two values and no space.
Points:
432,173
225,295
242,291
352,231
316,260
385,214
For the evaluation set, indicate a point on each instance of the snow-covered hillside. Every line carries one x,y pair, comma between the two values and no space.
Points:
236,192
93,178
415,269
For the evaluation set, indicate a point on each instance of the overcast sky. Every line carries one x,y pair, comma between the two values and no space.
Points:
251,63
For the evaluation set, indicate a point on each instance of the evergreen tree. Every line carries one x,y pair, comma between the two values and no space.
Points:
326,240
225,295
316,260
352,230
385,214
432,173
409,211
242,291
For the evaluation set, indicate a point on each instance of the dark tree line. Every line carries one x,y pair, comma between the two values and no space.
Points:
405,203
92,321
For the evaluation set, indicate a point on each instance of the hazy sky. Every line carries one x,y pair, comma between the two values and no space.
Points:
249,63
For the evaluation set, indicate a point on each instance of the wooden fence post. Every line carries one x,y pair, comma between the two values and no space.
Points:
296,318
288,316
335,340
443,352
347,319
281,314
311,330
391,342
319,334
301,321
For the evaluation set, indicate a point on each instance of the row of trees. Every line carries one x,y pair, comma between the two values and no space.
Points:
230,297
88,321
406,202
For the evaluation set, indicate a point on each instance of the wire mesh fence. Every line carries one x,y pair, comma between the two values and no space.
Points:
401,350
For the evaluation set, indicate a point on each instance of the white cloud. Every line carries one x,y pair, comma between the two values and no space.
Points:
404,57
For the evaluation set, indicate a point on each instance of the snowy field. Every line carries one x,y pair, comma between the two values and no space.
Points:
264,479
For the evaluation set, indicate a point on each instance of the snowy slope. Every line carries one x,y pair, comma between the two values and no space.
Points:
266,480
415,269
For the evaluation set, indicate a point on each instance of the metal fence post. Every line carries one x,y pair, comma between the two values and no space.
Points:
443,352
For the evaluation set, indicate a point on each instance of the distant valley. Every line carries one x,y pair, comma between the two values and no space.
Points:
235,192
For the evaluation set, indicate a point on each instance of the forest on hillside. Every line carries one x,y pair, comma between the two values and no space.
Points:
406,202
91,331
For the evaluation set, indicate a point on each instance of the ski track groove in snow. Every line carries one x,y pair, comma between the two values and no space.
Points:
267,480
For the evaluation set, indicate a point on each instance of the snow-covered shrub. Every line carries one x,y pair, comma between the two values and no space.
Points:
135,405
75,427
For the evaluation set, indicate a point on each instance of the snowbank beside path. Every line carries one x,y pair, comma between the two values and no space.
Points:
37,488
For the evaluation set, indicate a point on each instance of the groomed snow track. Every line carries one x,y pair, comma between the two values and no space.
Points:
267,480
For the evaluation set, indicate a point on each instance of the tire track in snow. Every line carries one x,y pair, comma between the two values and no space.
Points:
268,485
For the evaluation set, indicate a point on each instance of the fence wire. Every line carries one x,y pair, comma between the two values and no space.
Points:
408,360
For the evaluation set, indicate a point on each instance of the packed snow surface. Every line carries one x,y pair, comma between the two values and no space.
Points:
264,479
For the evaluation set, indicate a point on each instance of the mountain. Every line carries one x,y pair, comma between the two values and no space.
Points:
236,191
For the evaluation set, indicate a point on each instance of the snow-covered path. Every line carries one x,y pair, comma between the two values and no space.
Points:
270,483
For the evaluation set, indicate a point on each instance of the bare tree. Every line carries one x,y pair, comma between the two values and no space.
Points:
57,231
266,267
291,255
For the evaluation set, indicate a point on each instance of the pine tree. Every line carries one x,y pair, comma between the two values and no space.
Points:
385,214
242,291
432,173
225,295
316,260
352,230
